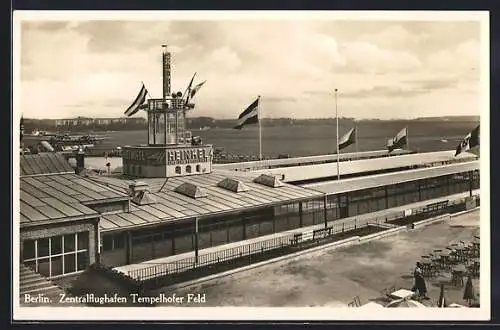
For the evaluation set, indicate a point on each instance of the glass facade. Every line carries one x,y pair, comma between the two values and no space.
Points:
57,255
178,238
372,200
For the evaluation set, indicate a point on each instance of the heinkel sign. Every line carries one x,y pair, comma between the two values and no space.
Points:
174,156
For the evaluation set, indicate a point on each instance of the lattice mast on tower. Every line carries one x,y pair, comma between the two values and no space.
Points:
167,116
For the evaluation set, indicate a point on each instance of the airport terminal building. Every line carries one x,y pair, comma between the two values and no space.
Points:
170,199
69,221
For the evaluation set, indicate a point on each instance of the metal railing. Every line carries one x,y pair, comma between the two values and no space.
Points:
342,228
283,241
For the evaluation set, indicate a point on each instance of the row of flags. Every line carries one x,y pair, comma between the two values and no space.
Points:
251,116
399,141
140,101
470,142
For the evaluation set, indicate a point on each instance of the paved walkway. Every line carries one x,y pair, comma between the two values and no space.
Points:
360,220
331,278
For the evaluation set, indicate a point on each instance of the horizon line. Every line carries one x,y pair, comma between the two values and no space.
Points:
222,118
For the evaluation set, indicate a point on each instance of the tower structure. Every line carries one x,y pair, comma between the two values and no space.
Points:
167,115
170,150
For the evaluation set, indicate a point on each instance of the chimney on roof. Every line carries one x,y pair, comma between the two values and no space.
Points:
140,193
80,161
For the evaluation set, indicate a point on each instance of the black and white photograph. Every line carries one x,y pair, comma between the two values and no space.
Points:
262,165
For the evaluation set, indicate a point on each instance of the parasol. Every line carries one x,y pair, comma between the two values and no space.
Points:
405,303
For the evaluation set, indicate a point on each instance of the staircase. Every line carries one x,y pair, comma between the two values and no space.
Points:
35,284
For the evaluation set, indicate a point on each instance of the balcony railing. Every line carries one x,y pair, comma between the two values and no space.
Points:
171,104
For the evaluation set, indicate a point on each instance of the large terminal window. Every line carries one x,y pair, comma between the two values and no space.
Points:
57,255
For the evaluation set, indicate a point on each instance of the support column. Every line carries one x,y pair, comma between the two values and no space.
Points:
97,243
419,190
153,252
210,230
386,191
337,212
347,204
324,208
196,240
243,223
172,238
301,221
129,247
274,222
448,188
470,184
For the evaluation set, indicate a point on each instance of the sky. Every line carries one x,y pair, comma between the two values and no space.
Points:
382,68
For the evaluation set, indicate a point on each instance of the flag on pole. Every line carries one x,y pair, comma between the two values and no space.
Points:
348,139
399,141
249,116
188,89
138,102
469,142
191,82
195,89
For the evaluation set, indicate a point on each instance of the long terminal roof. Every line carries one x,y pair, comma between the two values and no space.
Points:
296,161
379,180
60,197
172,205
311,172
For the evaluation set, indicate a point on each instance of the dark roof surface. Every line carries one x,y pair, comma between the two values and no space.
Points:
172,205
50,198
44,163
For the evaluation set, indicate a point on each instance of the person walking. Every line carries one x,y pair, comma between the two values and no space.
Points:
419,285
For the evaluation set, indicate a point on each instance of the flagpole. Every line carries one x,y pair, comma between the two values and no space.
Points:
188,89
147,91
356,140
337,121
260,128
407,139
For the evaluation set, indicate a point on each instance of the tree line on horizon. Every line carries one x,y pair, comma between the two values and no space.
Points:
209,122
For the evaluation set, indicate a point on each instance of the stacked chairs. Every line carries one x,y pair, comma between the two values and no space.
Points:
356,302
457,275
427,268
446,259
453,258
386,294
462,251
476,247
473,266
436,259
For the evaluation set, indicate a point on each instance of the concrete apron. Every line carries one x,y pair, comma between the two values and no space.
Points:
334,245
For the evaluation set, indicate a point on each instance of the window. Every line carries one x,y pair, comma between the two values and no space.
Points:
113,241
57,255
188,169
177,170
107,242
198,168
